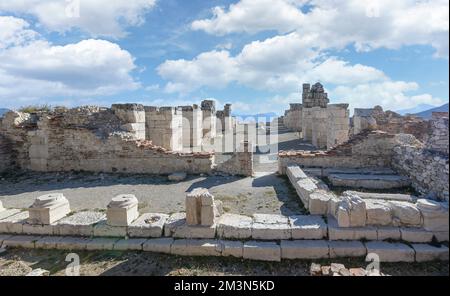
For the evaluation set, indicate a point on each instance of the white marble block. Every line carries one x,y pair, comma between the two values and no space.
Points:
122,210
48,209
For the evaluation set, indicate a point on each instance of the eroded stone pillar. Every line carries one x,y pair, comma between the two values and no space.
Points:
48,209
201,209
122,210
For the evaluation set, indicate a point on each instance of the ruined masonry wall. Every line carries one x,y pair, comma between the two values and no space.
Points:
164,127
438,140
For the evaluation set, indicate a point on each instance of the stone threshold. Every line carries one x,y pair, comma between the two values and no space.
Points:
275,251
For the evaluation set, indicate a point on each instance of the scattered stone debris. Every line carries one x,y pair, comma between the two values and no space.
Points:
39,272
337,269
177,177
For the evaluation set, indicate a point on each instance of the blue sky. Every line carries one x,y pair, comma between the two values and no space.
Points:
252,53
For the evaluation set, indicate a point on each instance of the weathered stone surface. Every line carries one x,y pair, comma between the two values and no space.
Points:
263,251
435,215
405,213
425,252
207,215
158,245
232,248
177,177
20,241
14,223
350,233
196,247
318,202
38,272
369,181
378,212
351,211
441,236
48,242
307,227
148,225
388,233
391,252
295,173
176,227
3,237
268,226
8,213
347,249
100,243
38,229
79,224
122,210
234,226
72,243
48,209
102,229
134,244
304,188
304,249
416,235
1,206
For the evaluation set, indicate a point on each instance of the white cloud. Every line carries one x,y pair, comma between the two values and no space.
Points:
31,67
98,18
367,24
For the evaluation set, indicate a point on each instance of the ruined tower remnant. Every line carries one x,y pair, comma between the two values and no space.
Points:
314,96
134,117
209,119
164,127
192,126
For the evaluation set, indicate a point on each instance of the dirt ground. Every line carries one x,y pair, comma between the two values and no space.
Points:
18,262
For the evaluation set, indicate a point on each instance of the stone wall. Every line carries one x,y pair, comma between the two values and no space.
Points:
293,117
6,154
438,138
164,127
338,124
192,127
239,162
209,119
370,149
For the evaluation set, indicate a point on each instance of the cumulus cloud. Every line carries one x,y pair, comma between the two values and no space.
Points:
367,24
32,67
98,18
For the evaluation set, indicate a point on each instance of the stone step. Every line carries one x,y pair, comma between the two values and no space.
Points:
385,196
369,181
325,172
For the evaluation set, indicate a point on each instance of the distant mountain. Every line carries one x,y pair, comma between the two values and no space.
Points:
417,109
427,113
3,111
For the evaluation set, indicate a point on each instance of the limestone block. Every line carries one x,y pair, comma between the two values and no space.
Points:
79,224
3,237
347,249
72,243
267,227
425,252
14,223
196,247
350,233
158,245
122,210
20,241
307,227
388,233
48,209
441,236
194,205
391,252
148,225
435,214
48,242
173,222
295,173
378,212
1,206
416,235
318,202
38,229
304,249
351,211
8,213
177,177
177,227
132,244
304,188
101,244
207,215
405,213
333,205
232,248
102,229
263,251
234,226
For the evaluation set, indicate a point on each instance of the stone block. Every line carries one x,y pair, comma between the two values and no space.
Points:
177,177
232,248
388,233
405,213
350,233
148,225
425,252
38,229
102,229
158,245
1,206
207,215
269,227
132,244
441,236
101,244
72,243
304,188
416,235
307,227
21,241
304,249
196,247
351,211
14,223
347,249
48,209
391,252
48,242
378,213
79,224
122,210
295,173
193,208
176,227
435,215
3,237
263,251
234,226
8,213
318,202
